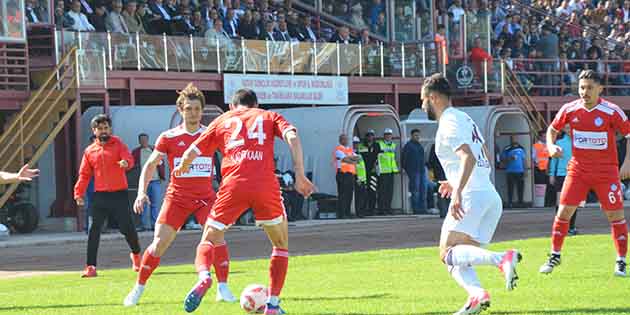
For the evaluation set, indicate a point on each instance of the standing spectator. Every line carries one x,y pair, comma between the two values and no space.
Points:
412,161
134,24
540,155
380,27
558,172
515,160
377,8
80,22
360,188
548,45
356,16
62,20
107,159
114,22
479,55
457,11
154,189
368,150
440,45
345,161
306,33
388,168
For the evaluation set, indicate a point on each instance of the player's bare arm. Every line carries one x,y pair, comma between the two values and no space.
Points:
148,169
302,184
26,174
184,167
554,150
468,161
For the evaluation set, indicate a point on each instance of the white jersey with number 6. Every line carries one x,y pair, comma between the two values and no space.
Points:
455,129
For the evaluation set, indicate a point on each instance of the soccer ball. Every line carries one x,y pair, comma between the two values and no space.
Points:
254,298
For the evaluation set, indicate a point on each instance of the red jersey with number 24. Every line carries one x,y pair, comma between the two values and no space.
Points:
245,137
196,184
593,134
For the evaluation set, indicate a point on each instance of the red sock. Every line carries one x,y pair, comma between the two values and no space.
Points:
620,237
278,270
205,256
558,233
147,265
221,262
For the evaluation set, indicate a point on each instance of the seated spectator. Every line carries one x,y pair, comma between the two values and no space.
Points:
306,33
364,37
217,33
377,8
98,18
62,19
198,23
162,21
134,23
146,17
80,22
32,12
380,27
247,27
185,25
342,36
230,24
283,32
356,16
269,33
114,22
173,10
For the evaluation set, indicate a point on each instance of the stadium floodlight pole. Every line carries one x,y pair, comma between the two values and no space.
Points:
360,59
138,51
192,53
243,54
315,57
218,54
109,49
424,60
291,51
402,52
485,76
382,61
338,62
268,57
165,52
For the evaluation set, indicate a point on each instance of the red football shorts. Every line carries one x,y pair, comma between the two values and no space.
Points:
267,205
176,212
606,186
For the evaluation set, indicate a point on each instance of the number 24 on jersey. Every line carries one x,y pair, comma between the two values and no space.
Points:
255,131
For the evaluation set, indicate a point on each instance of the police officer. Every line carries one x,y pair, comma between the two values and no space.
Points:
360,189
368,150
388,168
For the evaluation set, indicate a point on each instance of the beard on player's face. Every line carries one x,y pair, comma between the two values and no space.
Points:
430,110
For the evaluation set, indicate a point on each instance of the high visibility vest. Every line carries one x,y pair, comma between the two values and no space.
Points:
341,165
361,172
542,156
387,158
363,148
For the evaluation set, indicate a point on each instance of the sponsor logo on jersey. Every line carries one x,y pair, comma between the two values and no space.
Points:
249,155
200,167
599,121
590,140
613,187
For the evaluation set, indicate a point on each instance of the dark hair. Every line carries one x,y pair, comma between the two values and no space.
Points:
245,97
437,83
142,135
590,75
415,130
190,93
100,119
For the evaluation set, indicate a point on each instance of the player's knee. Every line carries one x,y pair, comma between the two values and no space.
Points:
159,247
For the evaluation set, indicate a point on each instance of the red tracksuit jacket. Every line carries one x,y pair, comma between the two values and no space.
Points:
101,161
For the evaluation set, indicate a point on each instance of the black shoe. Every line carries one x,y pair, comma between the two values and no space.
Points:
620,268
554,261
572,232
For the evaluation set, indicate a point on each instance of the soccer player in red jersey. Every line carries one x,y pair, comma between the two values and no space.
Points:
593,122
187,194
245,136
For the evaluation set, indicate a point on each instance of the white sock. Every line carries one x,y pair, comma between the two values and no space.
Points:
139,287
468,255
204,274
273,300
621,258
222,285
466,277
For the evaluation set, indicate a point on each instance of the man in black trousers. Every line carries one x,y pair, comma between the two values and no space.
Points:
107,159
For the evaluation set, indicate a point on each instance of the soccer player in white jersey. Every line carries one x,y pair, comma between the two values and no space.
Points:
475,207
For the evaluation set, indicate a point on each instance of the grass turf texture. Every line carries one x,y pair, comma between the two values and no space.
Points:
409,281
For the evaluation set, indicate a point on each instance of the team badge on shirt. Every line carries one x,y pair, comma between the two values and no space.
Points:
613,187
599,121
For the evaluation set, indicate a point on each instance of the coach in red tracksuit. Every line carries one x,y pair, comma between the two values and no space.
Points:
107,159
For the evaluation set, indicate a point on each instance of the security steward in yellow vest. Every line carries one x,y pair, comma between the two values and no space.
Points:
345,161
360,188
387,168
368,149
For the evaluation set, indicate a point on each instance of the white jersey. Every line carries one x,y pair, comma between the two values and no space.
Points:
455,129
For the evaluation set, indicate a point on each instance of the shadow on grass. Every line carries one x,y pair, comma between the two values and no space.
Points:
602,311
339,298
192,272
64,306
